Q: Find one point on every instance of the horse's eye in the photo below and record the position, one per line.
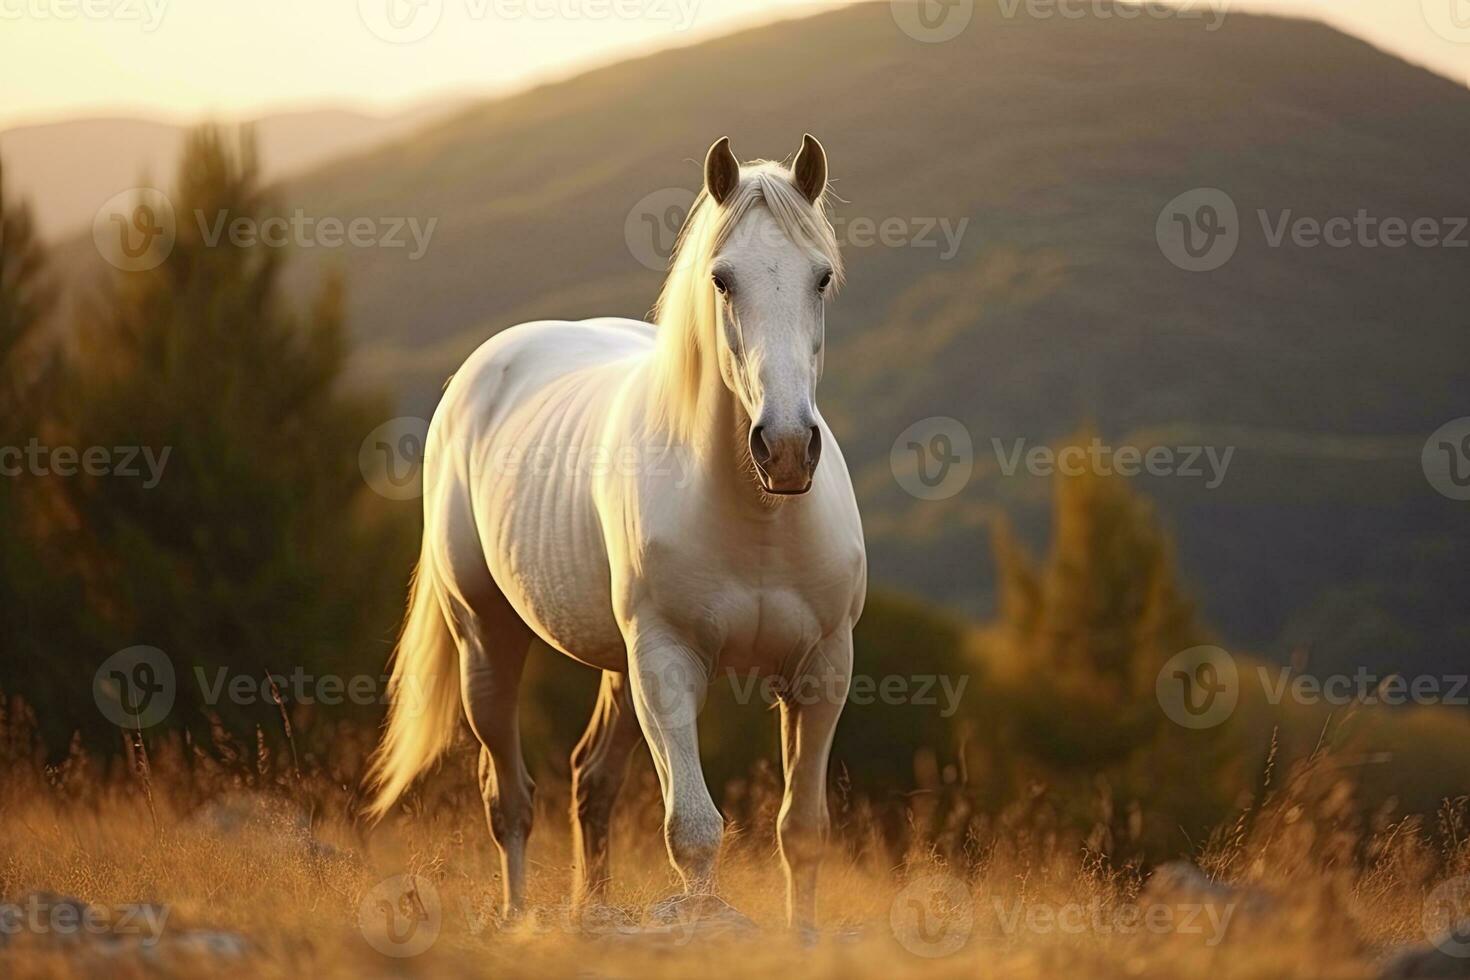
(720, 285)
(825, 281)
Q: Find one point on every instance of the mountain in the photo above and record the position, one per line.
(68, 169)
(1050, 148)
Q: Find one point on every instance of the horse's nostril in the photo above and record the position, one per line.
(759, 451)
(814, 448)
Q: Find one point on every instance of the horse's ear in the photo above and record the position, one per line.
(809, 172)
(721, 170)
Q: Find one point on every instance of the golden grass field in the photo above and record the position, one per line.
(263, 872)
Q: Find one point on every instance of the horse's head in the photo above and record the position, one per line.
(770, 275)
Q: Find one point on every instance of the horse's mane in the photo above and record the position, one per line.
(686, 306)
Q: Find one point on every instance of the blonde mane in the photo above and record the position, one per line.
(685, 311)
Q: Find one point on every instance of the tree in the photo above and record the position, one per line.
(1104, 611)
(1110, 608)
(26, 299)
(1089, 628)
(248, 542)
(35, 606)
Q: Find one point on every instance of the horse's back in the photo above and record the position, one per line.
(528, 355)
(516, 380)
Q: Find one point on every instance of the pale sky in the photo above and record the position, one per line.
(184, 60)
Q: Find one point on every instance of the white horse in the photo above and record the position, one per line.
(648, 501)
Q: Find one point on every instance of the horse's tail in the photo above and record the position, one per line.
(423, 714)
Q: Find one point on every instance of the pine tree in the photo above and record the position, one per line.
(26, 299)
(38, 606)
(29, 604)
(1111, 611)
(1019, 595)
(1091, 626)
(1105, 611)
(252, 552)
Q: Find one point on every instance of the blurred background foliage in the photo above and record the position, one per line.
(263, 550)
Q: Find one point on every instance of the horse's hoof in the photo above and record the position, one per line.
(704, 914)
(516, 921)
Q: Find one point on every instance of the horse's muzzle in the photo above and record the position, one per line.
(786, 458)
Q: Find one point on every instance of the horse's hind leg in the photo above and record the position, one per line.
(599, 765)
(493, 641)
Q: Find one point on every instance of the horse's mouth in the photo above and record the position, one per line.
(770, 487)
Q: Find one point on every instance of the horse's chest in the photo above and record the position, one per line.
(759, 612)
(765, 626)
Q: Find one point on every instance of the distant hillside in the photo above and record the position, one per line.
(68, 169)
(1059, 142)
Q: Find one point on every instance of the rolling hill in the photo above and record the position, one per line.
(68, 169)
(1050, 148)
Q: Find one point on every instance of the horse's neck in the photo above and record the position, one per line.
(720, 420)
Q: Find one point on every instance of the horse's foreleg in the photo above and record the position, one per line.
(808, 720)
(668, 682)
(599, 765)
(493, 642)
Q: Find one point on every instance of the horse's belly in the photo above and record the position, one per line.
(562, 594)
(545, 550)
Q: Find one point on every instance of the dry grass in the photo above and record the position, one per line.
(232, 838)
